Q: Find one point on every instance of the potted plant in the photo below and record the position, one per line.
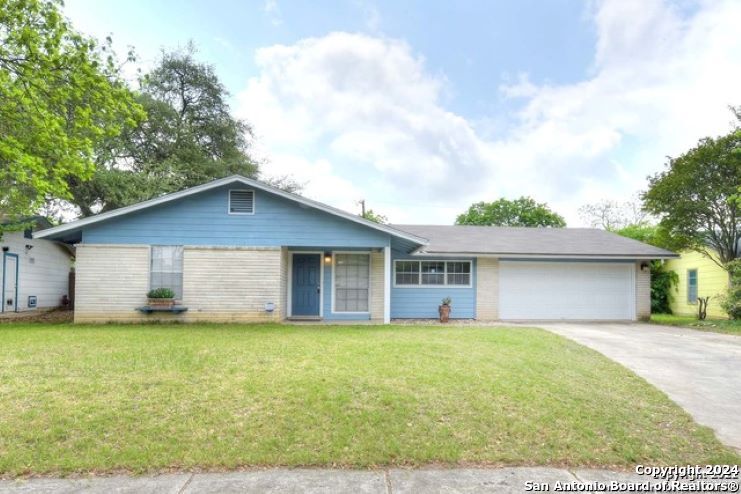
(161, 297)
(444, 310)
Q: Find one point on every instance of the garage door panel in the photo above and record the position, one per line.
(566, 290)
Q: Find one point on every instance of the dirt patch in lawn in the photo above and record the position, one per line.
(52, 316)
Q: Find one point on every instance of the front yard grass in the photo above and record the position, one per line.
(727, 326)
(152, 398)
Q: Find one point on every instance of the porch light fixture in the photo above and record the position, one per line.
(328, 257)
(644, 266)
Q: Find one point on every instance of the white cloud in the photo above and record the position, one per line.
(364, 117)
(367, 105)
(372, 15)
(319, 180)
(272, 10)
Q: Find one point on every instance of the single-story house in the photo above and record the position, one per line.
(236, 249)
(697, 276)
(35, 273)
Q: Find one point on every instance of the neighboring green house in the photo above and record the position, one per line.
(699, 276)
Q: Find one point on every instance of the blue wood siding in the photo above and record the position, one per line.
(422, 303)
(203, 219)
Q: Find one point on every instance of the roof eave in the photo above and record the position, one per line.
(546, 255)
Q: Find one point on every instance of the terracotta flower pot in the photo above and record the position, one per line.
(444, 311)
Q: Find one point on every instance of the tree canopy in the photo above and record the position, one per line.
(696, 197)
(60, 94)
(518, 212)
(189, 137)
(647, 233)
(662, 280)
(373, 216)
(614, 215)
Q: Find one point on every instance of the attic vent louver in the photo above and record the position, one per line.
(241, 202)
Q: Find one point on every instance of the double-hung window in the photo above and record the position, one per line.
(459, 273)
(432, 273)
(692, 286)
(407, 272)
(166, 268)
(351, 282)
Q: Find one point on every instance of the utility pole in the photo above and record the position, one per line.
(362, 207)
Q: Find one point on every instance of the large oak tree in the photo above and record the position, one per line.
(60, 94)
(189, 137)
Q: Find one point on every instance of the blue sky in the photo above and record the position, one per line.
(422, 108)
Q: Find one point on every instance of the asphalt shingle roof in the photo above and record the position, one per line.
(513, 241)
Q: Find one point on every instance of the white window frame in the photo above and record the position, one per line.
(697, 286)
(445, 285)
(182, 268)
(229, 202)
(470, 274)
(334, 280)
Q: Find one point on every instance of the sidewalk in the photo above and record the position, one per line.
(396, 481)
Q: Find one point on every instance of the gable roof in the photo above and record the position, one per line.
(75, 225)
(531, 242)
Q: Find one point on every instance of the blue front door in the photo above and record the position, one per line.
(305, 284)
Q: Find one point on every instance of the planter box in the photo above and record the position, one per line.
(161, 302)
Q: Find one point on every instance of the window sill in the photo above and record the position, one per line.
(148, 309)
(433, 286)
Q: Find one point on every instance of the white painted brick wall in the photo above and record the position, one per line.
(643, 292)
(487, 289)
(376, 286)
(111, 281)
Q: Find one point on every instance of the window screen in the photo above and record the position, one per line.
(459, 273)
(407, 272)
(433, 273)
(166, 270)
(692, 286)
(352, 282)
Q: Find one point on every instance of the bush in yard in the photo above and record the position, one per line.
(661, 284)
(661, 279)
(731, 301)
(161, 293)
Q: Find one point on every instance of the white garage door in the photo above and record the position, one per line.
(566, 290)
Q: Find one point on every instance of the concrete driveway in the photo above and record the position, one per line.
(700, 371)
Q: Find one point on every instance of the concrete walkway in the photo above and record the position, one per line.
(700, 371)
(397, 481)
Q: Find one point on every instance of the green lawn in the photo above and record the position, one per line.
(148, 398)
(715, 325)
